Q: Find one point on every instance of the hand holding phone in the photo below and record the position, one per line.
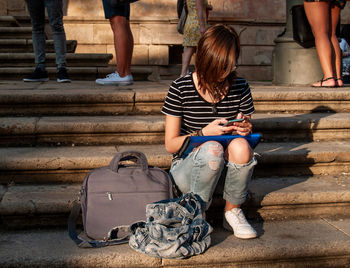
(232, 121)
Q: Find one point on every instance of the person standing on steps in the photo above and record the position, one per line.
(323, 16)
(118, 13)
(195, 26)
(199, 104)
(54, 9)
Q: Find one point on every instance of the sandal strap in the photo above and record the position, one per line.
(329, 78)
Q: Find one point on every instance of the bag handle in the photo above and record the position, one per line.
(128, 155)
(86, 243)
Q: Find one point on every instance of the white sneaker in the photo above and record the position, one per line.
(115, 79)
(235, 220)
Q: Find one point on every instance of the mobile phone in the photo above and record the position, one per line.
(232, 121)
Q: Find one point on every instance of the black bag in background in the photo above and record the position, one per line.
(182, 16)
(114, 197)
(302, 33)
(180, 5)
(182, 22)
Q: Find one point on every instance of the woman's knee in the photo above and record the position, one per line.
(239, 151)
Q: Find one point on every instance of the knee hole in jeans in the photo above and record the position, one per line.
(215, 152)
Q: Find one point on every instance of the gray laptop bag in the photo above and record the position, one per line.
(114, 197)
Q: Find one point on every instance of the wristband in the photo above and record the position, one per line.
(197, 133)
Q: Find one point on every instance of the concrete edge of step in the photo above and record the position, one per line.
(56, 199)
(263, 123)
(289, 243)
(88, 157)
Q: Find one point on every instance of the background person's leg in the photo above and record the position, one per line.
(186, 59)
(55, 14)
(36, 10)
(319, 16)
(335, 15)
(37, 14)
(123, 44)
(118, 15)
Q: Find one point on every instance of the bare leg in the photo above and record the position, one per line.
(335, 14)
(319, 16)
(239, 152)
(186, 58)
(123, 44)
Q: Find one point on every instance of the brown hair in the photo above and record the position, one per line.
(217, 54)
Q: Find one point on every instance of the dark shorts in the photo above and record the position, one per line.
(121, 9)
(338, 3)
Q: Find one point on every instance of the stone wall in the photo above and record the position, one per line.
(3, 7)
(154, 23)
(12, 7)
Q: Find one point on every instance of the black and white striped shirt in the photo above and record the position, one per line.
(183, 100)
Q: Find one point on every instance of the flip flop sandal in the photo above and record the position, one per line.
(324, 80)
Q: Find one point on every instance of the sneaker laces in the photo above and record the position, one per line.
(112, 75)
(240, 218)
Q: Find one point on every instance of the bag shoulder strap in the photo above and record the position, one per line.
(86, 243)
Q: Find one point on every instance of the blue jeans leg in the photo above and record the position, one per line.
(55, 14)
(200, 171)
(237, 181)
(36, 10)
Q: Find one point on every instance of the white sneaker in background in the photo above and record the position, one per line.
(235, 220)
(115, 79)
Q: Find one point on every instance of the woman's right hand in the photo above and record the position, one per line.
(216, 128)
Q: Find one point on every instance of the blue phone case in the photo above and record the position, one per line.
(253, 140)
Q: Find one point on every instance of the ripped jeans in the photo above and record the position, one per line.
(200, 171)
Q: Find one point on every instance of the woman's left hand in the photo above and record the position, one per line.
(245, 127)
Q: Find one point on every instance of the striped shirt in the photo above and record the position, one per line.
(183, 100)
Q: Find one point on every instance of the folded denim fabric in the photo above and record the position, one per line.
(174, 229)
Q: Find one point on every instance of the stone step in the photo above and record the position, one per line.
(81, 130)
(140, 73)
(271, 199)
(138, 129)
(73, 59)
(302, 127)
(321, 242)
(26, 46)
(15, 32)
(24, 20)
(71, 164)
(8, 21)
(87, 98)
(300, 197)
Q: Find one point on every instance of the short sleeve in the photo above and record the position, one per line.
(173, 102)
(246, 104)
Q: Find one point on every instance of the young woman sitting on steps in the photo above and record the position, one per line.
(200, 103)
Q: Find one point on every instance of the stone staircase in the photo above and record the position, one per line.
(17, 57)
(52, 135)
